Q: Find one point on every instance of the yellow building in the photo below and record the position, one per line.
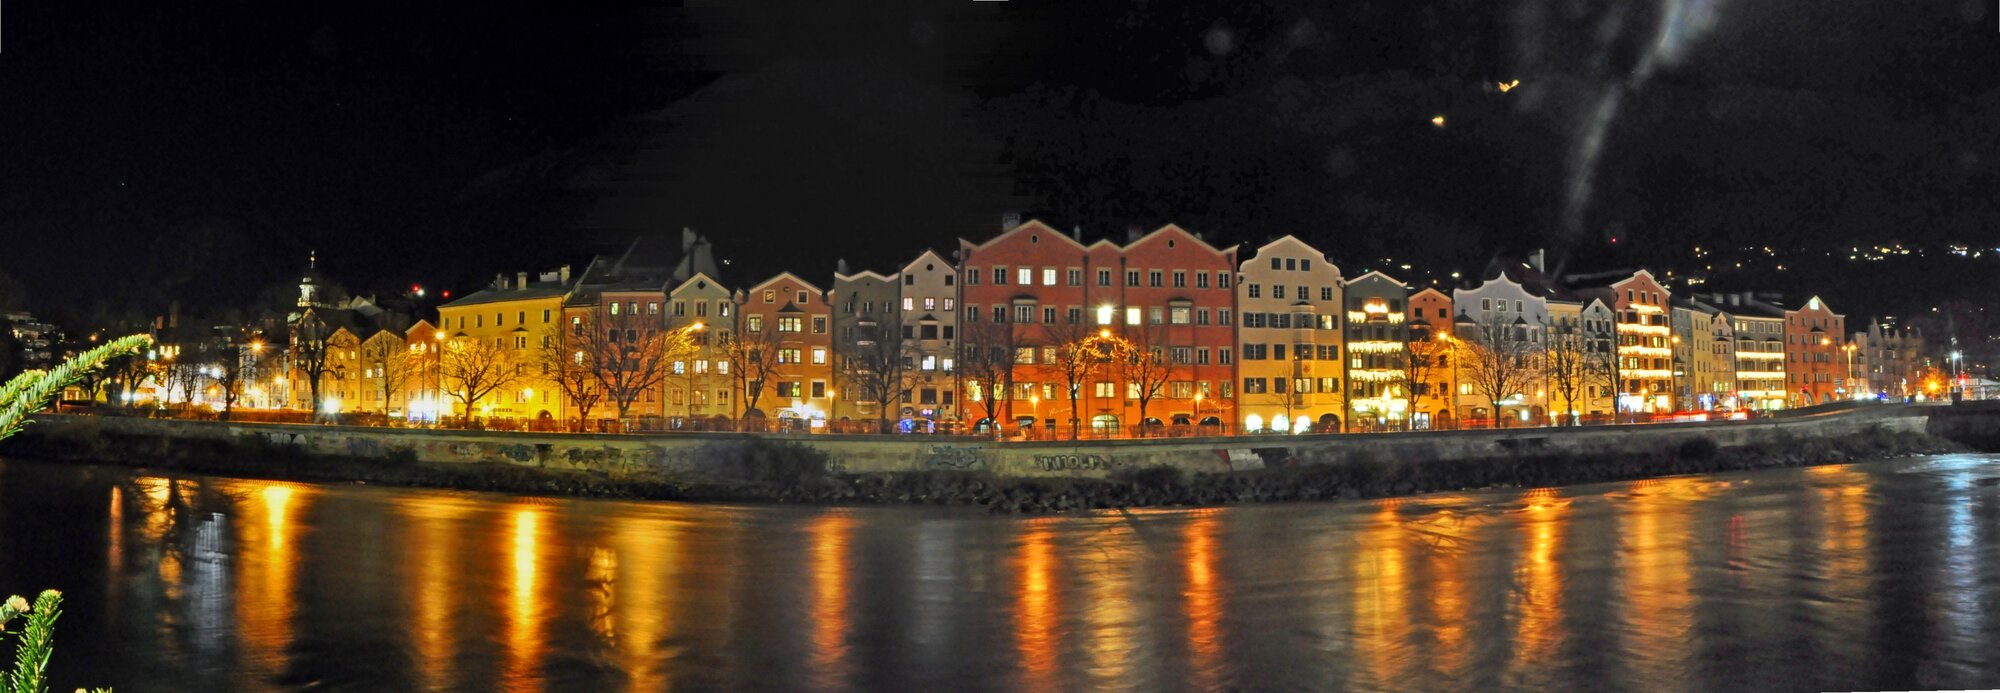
(507, 320)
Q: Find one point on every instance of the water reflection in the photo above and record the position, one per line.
(1204, 598)
(524, 612)
(1035, 604)
(1864, 576)
(830, 599)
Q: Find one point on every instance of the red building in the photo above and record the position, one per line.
(1164, 301)
(1645, 354)
(1817, 359)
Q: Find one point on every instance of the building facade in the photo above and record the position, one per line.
(1289, 343)
(1504, 326)
(790, 317)
(503, 323)
(868, 346)
(702, 387)
(1433, 359)
(930, 300)
(1377, 339)
(1645, 355)
(1818, 359)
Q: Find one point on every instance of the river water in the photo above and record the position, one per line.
(1870, 576)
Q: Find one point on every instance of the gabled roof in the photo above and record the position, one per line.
(1175, 228)
(935, 256)
(695, 280)
(1377, 273)
(535, 290)
(1029, 226)
(781, 276)
(1289, 239)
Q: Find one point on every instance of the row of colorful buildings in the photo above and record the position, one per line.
(1037, 328)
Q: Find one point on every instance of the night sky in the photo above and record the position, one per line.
(154, 152)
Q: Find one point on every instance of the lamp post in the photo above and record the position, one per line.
(1197, 410)
(1848, 382)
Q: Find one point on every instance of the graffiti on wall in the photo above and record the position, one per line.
(1074, 463)
(954, 457)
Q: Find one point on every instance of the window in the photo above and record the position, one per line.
(1253, 320)
(789, 324)
(1153, 279)
(930, 303)
(971, 275)
(1254, 352)
(1025, 276)
(754, 323)
(1254, 386)
(770, 296)
(819, 324)
(1131, 277)
(1024, 313)
(999, 314)
(1222, 356)
(1255, 290)
(545, 316)
(1305, 265)
(1278, 291)
(1048, 276)
(1180, 279)
(801, 297)
(909, 303)
(1076, 276)
(1276, 264)
(1181, 315)
(1104, 277)
(819, 356)
(999, 276)
(1222, 280)
(653, 308)
(1049, 316)
(1222, 316)
(1075, 315)
(1155, 315)
(1024, 355)
(1326, 294)
(1201, 356)
(788, 389)
(1201, 280)
(1201, 316)
(1132, 315)
(788, 355)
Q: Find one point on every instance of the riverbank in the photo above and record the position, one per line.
(771, 470)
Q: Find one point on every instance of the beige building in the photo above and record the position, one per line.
(1289, 339)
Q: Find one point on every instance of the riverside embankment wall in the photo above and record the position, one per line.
(699, 454)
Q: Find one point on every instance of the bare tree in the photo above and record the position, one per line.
(629, 353)
(752, 352)
(986, 359)
(875, 362)
(311, 345)
(1567, 363)
(392, 366)
(473, 368)
(1601, 368)
(1501, 361)
(1427, 355)
(569, 366)
(183, 375)
(1143, 360)
(1080, 354)
(235, 362)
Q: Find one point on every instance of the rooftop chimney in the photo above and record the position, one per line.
(1535, 259)
(1076, 233)
(563, 274)
(1009, 220)
(840, 266)
(522, 280)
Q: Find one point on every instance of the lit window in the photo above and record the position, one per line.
(1132, 315)
(1105, 314)
(819, 356)
(909, 303)
(1048, 276)
(930, 304)
(1025, 276)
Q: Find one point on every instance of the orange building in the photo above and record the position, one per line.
(1430, 323)
(1166, 295)
(1817, 356)
(791, 316)
(1645, 355)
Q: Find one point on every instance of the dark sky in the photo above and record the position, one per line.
(198, 150)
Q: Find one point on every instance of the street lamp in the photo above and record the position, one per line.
(1035, 401)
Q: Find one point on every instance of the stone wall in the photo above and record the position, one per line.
(697, 453)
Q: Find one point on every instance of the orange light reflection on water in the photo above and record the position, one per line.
(525, 640)
(1538, 602)
(829, 535)
(1381, 597)
(1204, 600)
(267, 600)
(1035, 605)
